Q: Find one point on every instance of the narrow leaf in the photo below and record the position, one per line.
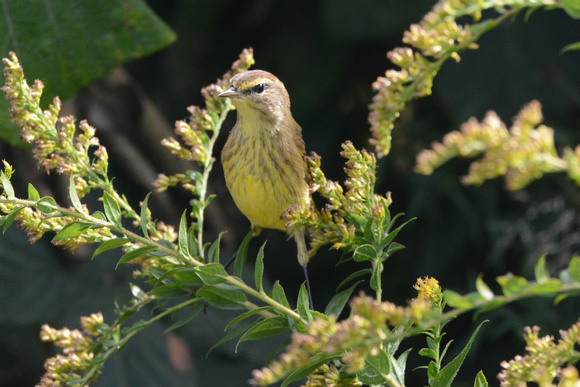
(265, 328)
(574, 268)
(74, 197)
(235, 332)
(353, 276)
(480, 380)
(212, 273)
(365, 253)
(7, 186)
(71, 230)
(242, 254)
(259, 270)
(109, 245)
(511, 284)
(540, 270)
(214, 250)
(244, 316)
(223, 298)
(9, 219)
(144, 218)
(337, 303)
(182, 239)
(483, 289)
(187, 317)
(112, 210)
(303, 304)
(447, 374)
(136, 254)
(33, 193)
(570, 47)
(46, 205)
(278, 294)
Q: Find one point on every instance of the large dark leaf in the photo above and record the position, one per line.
(69, 43)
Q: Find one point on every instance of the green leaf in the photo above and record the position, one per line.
(144, 218)
(112, 210)
(109, 245)
(303, 304)
(212, 273)
(428, 352)
(375, 370)
(265, 328)
(446, 375)
(223, 297)
(71, 230)
(246, 315)
(7, 186)
(549, 287)
(540, 270)
(136, 254)
(574, 268)
(570, 47)
(572, 8)
(9, 219)
(183, 238)
(259, 270)
(213, 255)
(242, 255)
(315, 362)
(190, 315)
(511, 284)
(278, 294)
(365, 253)
(33, 193)
(483, 289)
(70, 44)
(46, 205)
(458, 301)
(353, 276)
(237, 331)
(337, 303)
(480, 380)
(74, 197)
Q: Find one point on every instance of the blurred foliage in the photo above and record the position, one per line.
(328, 54)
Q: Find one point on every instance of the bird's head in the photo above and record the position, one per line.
(260, 95)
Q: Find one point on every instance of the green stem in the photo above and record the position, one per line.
(205, 177)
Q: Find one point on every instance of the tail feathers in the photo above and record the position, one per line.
(303, 255)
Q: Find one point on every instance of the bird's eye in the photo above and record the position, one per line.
(259, 88)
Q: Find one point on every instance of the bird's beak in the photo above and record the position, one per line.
(229, 93)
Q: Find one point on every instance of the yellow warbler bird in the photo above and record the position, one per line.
(263, 158)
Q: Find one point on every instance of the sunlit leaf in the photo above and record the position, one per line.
(212, 273)
(71, 230)
(259, 269)
(140, 252)
(112, 210)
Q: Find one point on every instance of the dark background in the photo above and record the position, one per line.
(327, 54)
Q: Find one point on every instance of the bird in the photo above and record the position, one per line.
(264, 157)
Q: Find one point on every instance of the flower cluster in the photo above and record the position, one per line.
(435, 39)
(76, 347)
(544, 360)
(523, 153)
(347, 212)
(194, 133)
(428, 288)
(55, 145)
(351, 341)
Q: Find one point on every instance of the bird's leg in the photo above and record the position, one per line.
(303, 258)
